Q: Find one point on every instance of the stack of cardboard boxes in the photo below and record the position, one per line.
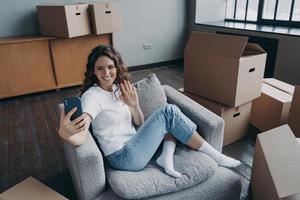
(224, 74)
(276, 164)
(75, 20)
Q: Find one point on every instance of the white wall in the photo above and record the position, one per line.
(208, 11)
(287, 64)
(162, 23)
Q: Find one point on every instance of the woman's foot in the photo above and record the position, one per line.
(226, 161)
(220, 158)
(165, 160)
(165, 163)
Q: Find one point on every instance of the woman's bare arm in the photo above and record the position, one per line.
(137, 115)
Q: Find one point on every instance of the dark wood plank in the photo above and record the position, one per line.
(244, 196)
(246, 146)
(252, 133)
(17, 138)
(245, 186)
(20, 121)
(4, 145)
(56, 98)
(170, 75)
(243, 169)
(239, 153)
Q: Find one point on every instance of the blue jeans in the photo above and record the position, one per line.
(138, 151)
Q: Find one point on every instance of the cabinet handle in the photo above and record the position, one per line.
(107, 12)
(78, 13)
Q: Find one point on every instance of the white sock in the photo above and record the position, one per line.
(165, 160)
(298, 139)
(220, 158)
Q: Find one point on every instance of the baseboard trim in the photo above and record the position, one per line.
(154, 65)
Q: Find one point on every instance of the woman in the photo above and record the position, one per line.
(111, 104)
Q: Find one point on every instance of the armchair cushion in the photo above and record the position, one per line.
(194, 166)
(151, 94)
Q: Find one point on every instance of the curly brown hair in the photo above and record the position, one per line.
(108, 51)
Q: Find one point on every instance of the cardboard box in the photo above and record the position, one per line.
(272, 108)
(106, 17)
(223, 68)
(287, 88)
(31, 189)
(295, 112)
(276, 165)
(236, 119)
(64, 20)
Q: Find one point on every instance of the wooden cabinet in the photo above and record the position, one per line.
(70, 57)
(35, 64)
(25, 66)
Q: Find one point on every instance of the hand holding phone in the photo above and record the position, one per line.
(70, 103)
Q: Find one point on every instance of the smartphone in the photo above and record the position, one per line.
(71, 102)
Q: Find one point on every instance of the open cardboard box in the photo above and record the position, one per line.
(236, 119)
(272, 108)
(294, 118)
(31, 189)
(224, 68)
(276, 165)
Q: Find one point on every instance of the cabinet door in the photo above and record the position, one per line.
(70, 57)
(25, 67)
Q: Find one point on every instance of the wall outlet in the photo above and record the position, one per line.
(147, 46)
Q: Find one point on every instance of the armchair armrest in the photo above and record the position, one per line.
(209, 125)
(87, 168)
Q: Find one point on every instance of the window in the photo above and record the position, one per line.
(264, 12)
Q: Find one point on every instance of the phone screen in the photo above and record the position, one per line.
(70, 103)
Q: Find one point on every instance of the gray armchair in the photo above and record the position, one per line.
(93, 179)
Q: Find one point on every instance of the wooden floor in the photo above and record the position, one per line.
(29, 144)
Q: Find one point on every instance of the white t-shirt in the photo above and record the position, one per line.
(111, 118)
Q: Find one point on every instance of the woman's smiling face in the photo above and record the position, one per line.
(106, 72)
